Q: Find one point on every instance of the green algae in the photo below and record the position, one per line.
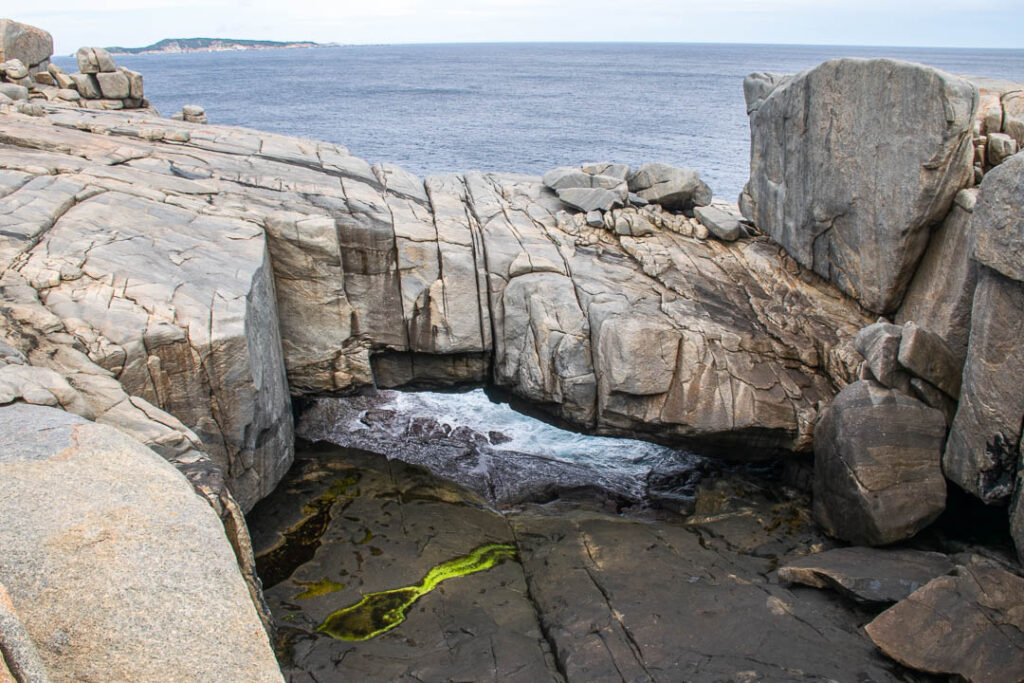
(380, 612)
(301, 541)
(315, 589)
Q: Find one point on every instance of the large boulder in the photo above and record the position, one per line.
(968, 625)
(983, 453)
(671, 187)
(852, 162)
(877, 472)
(594, 187)
(27, 43)
(117, 569)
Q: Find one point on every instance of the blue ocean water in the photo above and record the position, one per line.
(522, 108)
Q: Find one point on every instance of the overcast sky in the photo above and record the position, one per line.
(940, 23)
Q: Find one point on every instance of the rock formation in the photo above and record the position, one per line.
(849, 175)
(117, 570)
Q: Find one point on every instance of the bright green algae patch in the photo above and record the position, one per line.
(379, 612)
(314, 589)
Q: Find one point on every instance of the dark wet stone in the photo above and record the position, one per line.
(868, 575)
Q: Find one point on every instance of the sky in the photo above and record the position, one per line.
(918, 23)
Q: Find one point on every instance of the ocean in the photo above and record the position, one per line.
(523, 108)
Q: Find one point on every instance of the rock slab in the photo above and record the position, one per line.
(970, 624)
(868, 575)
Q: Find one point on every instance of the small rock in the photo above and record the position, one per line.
(636, 200)
(999, 148)
(970, 624)
(877, 472)
(105, 61)
(595, 219)
(68, 95)
(30, 109)
(64, 80)
(719, 223)
(924, 354)
(14, 69)
(590, 199)
(192, 113)
(868, 575)
(44, 78)
(673, 188)
(135, 90)
(879, 343)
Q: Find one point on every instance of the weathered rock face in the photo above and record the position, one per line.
(970, 624)
(26, 43)
(380, 275)
(983, 453)
(851, 164)
(877, 473)
(941, 293)
(115, 566)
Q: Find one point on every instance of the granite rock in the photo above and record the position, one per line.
(853, 161)
(969, 625)
(671, 187)
(877, 471)
(93, 514)
(26, 43)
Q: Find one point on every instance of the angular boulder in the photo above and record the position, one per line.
(853, 161)
(879, 343)
(871, 576)
(719, 222)
(925, 355)
(20, 41)
(941, 294)
(115, 566)
(593, 187)
(674, 188)
(113, 85)
(877, 472)
(968, 625)
(983, 453)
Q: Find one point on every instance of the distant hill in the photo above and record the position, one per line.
(172, 45)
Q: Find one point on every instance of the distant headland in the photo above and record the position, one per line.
(175, 45)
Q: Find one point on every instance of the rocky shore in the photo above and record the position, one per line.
(169, 287)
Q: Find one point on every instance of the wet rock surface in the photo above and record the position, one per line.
(592, 595)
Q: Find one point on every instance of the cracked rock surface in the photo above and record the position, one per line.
(593, 596)
(213, 271)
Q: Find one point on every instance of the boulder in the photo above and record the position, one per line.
(853, 161)
(968, 625)
(941, 293)
(114, 85)
(587, 188)
(88, 63)
(877, 472)
(719, 222)
(924, 354)
(135, 89)
(879, 344)
(14, 91)
(87, 85)
(44, 78)
(68, 95)
(117, 569)
(868, 575)
(998, 222)
(14, 69)
(999, 148)
(673, 188)
(982, 453)
(27, 43)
